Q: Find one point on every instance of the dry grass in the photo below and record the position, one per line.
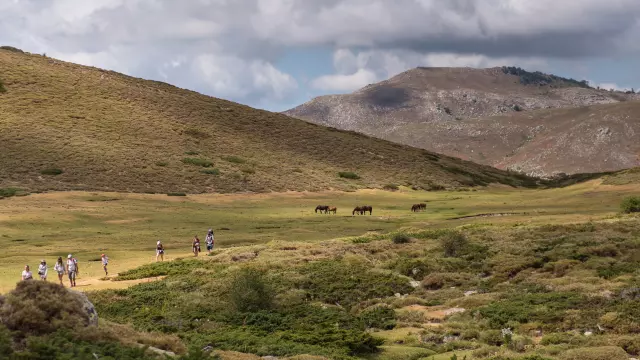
(107, 131)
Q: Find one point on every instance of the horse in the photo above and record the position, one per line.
(358, 209)
(322, 208)
(366, 208)
(423, 206)
(332, 209)
(415, 207)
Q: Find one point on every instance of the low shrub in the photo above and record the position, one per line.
(198, 162)
(2, 88)
(250, 291)
(8, 192)
(379, 317)
(191, 153)
(596, 353)
(630, 205)
(211, 171)
(176, 194)
(453, 244)
(401, 239)
(391, 187)
(51, 171)
(348, 175)
(234, 159)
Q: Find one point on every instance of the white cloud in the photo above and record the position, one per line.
(345, 83)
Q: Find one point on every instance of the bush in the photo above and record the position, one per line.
(380, 317)
(454, 244)
(391, 187)
(234, 159)
(348, 175)
(8, 192)
(198, 162)
(176, 194)
(401, 239)
(2, 88)
(250, 291)
(630, 205)
(596, 353)
(39, 307)
(211, 171)
(492, 337)
(191, 153)
(51, 171)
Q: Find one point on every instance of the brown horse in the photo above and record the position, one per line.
(322, 208)
(423, 206)
(332, 209)
(415, 207)
(366, 208)
(358, 210)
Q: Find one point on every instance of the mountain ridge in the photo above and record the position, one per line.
(420, 106)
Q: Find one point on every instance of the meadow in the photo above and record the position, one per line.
(556, 267)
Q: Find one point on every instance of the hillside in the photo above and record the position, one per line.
(504, 117)
(64, 126)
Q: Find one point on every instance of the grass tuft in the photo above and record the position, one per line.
(51, 171)
(234, 159)
(348, 175)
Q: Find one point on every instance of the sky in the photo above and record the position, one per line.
(277, 54)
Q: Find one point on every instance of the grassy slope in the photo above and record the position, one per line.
(107, 131)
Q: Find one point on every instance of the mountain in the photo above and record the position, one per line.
(505, 117)
(69, 127)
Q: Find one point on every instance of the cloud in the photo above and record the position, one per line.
(378, 38)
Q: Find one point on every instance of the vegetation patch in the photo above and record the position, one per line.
(2, 88)
(176, 194)
(51, 171)
(542, 79)
(348, 175)
(211, 171)
(198, 162)
(391, 187)
(9, 192)
(234, 159)
(161, 163)
(631, 204)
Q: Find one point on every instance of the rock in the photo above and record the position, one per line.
(414, 283)
(470, 292)
(454, 311)
(87, 306)
(588, 333)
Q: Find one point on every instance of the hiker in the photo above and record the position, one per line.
(105, 262)
(59, 268)
(196, 245)
(209, 241)
(26, 273)
(159, 251)
(43, 270)
(72, 269)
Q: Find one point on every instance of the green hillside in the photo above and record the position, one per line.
(69, 127)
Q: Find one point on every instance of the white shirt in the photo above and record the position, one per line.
(27, 275)
(71, 264)
(59, 268)
(43, 269)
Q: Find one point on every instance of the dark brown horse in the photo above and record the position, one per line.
(332, 209)
(366, 208)
(358, 210)
(415, 207)
(322, 208)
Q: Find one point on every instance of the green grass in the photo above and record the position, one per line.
(158, 123)
(51, 171)
(210, 171)
(348, 175)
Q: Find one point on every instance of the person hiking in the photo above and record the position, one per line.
(196, 245)
(105, 262)
(72, 269)
(59, 268)
(209, 241)
(26, 273)
(159, 251)
(43, 270)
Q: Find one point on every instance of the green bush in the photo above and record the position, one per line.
(234, 159)
(8, 192)
(492, 337)
(51, 171)
(198, 162)
(630, 205)
(176, 194)
(2, 88)
(348, 175)
(401, 239)
(380, 317)
(596, 353)
(454, 244)
(250, 291)
(211, 171)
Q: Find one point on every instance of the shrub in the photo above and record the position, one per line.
(234, 159)
(250, 292)
(191, 153)
(391, 187)
(630, 205)
(8, 192)
(211, 171)
(51, 171)
(2, 88)
(348, 175)
(198, 162)
(596, 353)
(176, 194)
(453, 244)
(492, 337)
(401, 239)
(379, 317)
(39, 307)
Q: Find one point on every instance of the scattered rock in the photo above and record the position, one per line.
(414, 283)
(454, 311)
(470, 292)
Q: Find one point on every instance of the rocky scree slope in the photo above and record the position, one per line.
(504, 117)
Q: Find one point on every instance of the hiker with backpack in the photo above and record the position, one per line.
(43, 270)
(159, 251)
(209, 241)
(105, 262)
(72, 269)
(195, 246)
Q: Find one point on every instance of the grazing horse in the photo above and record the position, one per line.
(366, 208)
(358, 210)
(415, 207)
(332, 209)
(322, 208)
(423, 206)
